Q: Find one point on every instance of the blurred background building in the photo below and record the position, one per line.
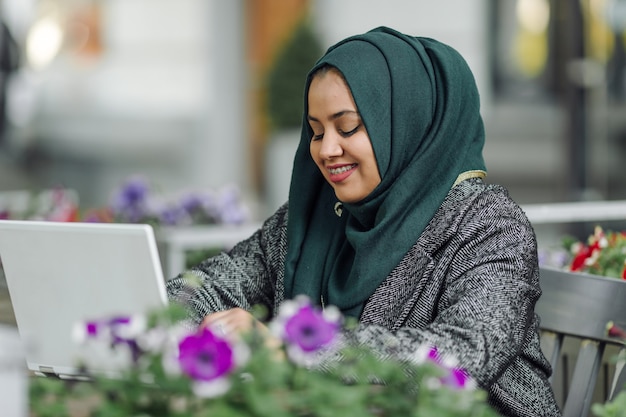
(179, 90)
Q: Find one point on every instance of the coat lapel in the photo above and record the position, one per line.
(394, 299)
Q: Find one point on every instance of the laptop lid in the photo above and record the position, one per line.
(59, 274)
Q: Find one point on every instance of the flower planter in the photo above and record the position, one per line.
(579, 306)
(203, 372)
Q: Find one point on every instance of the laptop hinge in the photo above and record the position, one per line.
(47, 371)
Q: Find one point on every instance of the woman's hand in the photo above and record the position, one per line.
(235, 322)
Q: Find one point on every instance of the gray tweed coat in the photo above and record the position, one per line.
(468, 286)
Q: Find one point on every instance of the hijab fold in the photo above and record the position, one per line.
(420, 106)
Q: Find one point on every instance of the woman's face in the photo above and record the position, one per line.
(340, 145)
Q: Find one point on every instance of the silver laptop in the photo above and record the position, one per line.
(61, 273)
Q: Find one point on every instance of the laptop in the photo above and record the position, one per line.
(59, 274)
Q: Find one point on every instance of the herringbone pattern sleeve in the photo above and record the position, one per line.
(249, 274)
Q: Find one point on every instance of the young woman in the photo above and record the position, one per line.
(389, 219)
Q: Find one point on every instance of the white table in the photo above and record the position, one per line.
(174, 242)
(580, 211)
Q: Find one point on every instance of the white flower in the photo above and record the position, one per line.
(211, 389)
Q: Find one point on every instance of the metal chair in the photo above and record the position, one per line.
(577, 306)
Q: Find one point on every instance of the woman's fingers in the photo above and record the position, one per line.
(235, 321)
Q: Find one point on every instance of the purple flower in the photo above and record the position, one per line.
(234, 215)
(204, 356)
(306, 329)
(433, 355)
(452, 375)
(231, 209)
(173, 215)
(200, 208)
(134, 192)
(309, 330)
(192, 202)
(113, 330)
(131, 200)
(211, 206)
(230, 196)
(119, 331)
(456, 378)
(92, 329)
(4, 214)
(122, 333)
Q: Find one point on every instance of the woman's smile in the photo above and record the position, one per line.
(338, 173)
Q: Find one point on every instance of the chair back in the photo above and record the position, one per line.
(576, 306)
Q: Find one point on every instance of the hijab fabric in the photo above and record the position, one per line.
(420, 106)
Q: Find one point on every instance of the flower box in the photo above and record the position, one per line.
(175, 371)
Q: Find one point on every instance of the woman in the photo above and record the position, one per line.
(389, 219)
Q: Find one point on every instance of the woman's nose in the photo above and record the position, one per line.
(331, 146)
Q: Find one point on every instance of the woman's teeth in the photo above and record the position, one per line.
(335, 171)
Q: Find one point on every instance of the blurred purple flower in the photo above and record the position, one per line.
(125, 330)
(211, 206)
(234, 215)
(133, 192)
(309, 330)
(115, 331)
(204, 356)
(173, 215)
(433, 355)
(231, 209)
(200, 207)
(133, 203)
(192, 202)
(453, 376)
(4, 214)
(92, 329)
(130, 201)
(230, 195)
(456, 378)
(306, 329)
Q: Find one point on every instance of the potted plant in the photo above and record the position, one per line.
(285, 104)
(604, 253)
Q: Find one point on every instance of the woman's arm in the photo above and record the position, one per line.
(243, 277)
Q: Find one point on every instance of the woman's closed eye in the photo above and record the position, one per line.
(350, 132)
(342, 133)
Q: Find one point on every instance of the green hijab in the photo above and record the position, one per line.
(420, 106)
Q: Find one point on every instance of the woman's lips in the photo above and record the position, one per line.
(338, 173)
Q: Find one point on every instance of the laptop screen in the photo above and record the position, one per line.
(61, 273)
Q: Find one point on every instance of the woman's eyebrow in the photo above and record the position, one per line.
(334, 116)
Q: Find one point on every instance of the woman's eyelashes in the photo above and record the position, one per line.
(350, 132)
(342, 133)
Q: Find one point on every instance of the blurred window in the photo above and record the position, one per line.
(529, 41)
